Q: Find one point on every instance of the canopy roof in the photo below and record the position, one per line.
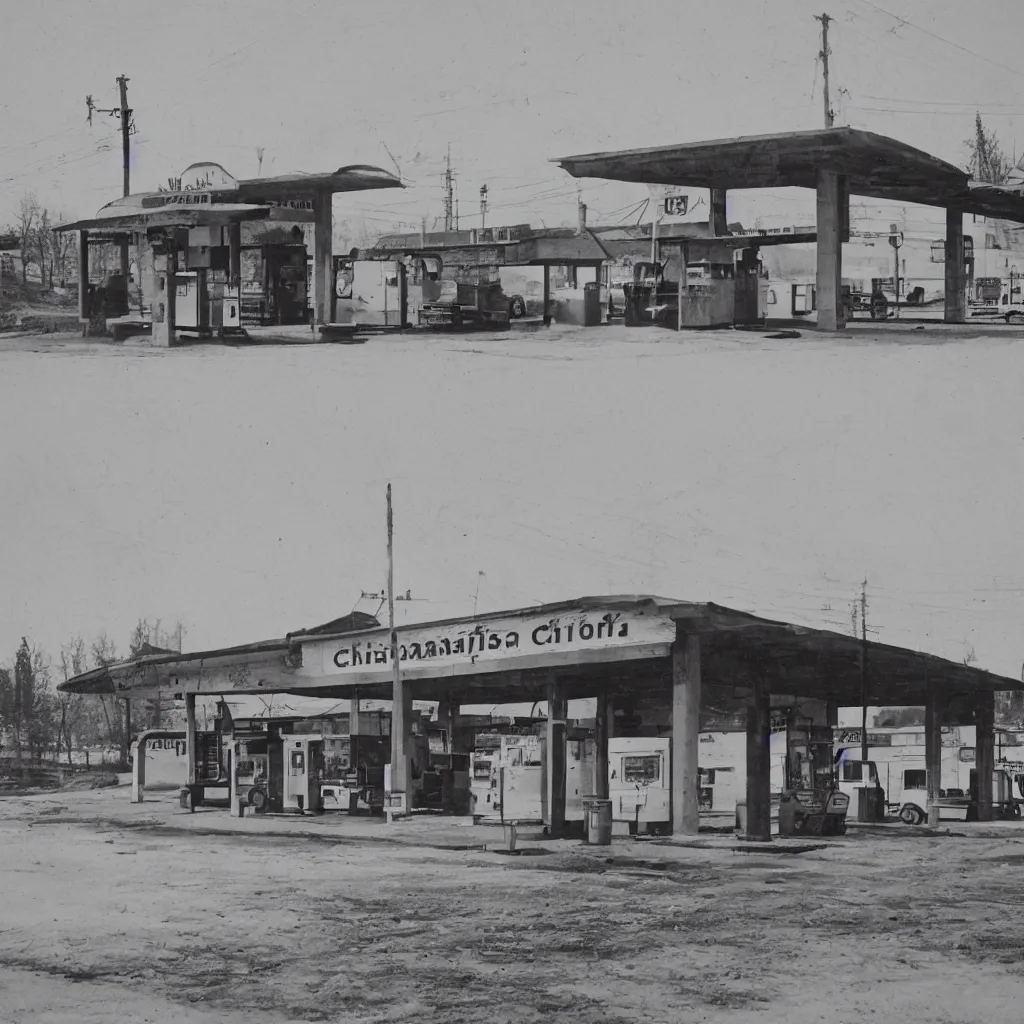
(136, 218)
(523, 248)
(736, 649)
(353, 178)
(875, 166)
(226, 200)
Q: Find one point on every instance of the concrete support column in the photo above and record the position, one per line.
(401, 712)
(166, 296)
(685, 733)
(759, 797)
(985, 754)
(556, 764)
(235, 810)
(547, 294)
(84, 311)
(831, 217)
(323, 226)
(956, 273)
(601, 723)
(933, 709)
(190, 736)
(403, 293)
(408, 745)
(446, 713)
(125, 262)
(719, 221)
(235, 255)
(139, 770)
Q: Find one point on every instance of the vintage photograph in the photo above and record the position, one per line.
(509, 512)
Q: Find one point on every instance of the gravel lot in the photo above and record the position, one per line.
(147, 913)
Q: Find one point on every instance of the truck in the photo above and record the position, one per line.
(902, 783)
(473, 305)
(649, 298)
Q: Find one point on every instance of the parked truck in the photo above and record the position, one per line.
(472, 305)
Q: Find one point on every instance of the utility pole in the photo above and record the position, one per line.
(824, 55)
(126, 121)
(449, 206)
(483, 207)
(398, 723)
(124, 112)
(864, 670)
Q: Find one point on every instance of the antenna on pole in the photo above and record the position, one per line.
(830, 115)
(449, 205)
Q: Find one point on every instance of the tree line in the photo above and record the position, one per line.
(55, 255)
(37, 722)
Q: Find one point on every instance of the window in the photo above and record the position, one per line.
(771, 297)
(641, 769)
(705, 776)
(915, 778)
(853, 771)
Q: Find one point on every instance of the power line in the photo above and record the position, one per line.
(938, 113)
(963, 49)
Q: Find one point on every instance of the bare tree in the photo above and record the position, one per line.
(104, 654)
(148, 638)
(42, 719)
(28, 211)
(72, 663)
(42, 236)
(65, 257)
(6, 704)
(988, 162)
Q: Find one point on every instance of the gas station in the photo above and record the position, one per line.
(836, 163)
(199, 219)
(653, 666)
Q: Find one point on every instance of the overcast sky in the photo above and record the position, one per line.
(320, 84)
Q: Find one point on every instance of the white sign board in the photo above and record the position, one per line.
(476, 645)
(678, 204)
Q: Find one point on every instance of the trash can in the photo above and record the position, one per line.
(741, 817)
(511, 830)
(599, 822)
(867, 804)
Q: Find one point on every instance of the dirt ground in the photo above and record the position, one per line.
(148, 913)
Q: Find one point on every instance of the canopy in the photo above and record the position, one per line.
(128, 218)
(874, 165)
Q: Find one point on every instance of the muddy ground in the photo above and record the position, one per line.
(148, 914)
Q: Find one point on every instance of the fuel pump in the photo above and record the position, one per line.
(250, 775)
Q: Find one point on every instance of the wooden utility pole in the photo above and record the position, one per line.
(126, 120)
(864, 670)
(824, 55)
(399, 725)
